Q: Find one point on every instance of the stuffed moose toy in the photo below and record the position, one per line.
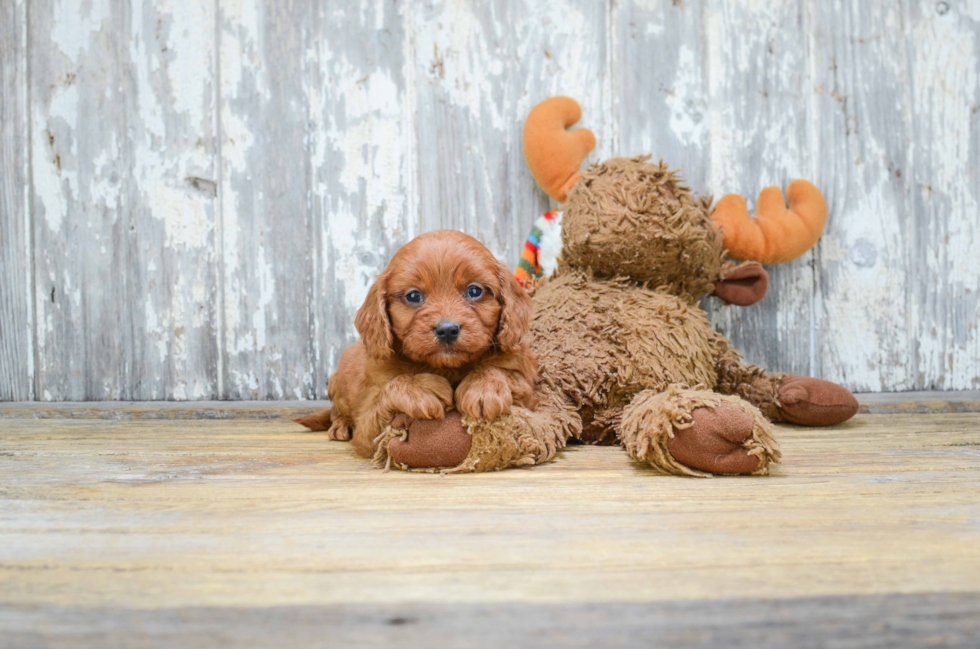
(625, 355)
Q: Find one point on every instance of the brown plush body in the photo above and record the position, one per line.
(602, 342)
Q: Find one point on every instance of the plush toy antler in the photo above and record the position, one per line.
(777, 233)
(553, 153)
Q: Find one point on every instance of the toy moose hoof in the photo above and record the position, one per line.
(815, 402)
(430, 443)
(714, 442)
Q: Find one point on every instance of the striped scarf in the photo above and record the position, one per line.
(540, 254)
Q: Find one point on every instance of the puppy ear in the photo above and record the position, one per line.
(372, 321)
(515, 312)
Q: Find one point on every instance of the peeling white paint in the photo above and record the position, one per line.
(186, 221)
(193, 50)
(53, 177)
(655, 29)
(686, 115)
(462, 52)
(123, 151)
(266, 288)
(241, 46)
(76, 23)
(371, 170)
(945, 75)
(373, 126)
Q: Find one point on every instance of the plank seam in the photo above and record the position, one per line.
(894, 403)
(817, 255)
(611, 100)
(313, 226)
(411, 101)
(917, 384)
(33, 359)
(314, 292)
(706, 98)
(219, 220)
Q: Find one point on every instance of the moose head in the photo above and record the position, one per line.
(627, 217)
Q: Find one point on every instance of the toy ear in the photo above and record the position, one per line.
(743, 285)
(372, 321)
(553, 153)
(516, 310)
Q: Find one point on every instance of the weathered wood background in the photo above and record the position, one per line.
(196, 195)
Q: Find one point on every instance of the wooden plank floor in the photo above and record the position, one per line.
(152, 532)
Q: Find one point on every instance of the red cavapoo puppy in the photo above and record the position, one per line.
(442, 327)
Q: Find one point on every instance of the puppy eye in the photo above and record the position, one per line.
(474, 292)
(414, 297)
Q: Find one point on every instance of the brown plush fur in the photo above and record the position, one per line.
(628, 218)
(400, 366)
(601, 341)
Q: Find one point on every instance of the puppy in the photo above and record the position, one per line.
(442, 327)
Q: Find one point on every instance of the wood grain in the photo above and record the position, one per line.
(758, 123)
(946, 620)
(661, 86)
(944, 55)
(124, 169)
(196, 196)
(16, 268)
(862, 153)
(479, 69)
(873, 403)
(268, 247)
(127, 520)
(117, 410)
(150, 514)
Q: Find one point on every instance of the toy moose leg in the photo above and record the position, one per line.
(697, 433)
(785, 397)
(460, 444)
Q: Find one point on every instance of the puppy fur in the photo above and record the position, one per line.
(400, 365)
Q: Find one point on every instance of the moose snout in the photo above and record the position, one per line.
(447, 331)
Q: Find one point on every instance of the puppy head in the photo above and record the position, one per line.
(444, 301)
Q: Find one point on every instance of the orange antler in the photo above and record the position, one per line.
(553, 153)
(776, 234)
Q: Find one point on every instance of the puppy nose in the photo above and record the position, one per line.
(447, 331)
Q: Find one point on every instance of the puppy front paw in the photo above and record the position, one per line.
(485, 395)
(420, 396)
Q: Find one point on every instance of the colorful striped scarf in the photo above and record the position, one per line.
(540, 254)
